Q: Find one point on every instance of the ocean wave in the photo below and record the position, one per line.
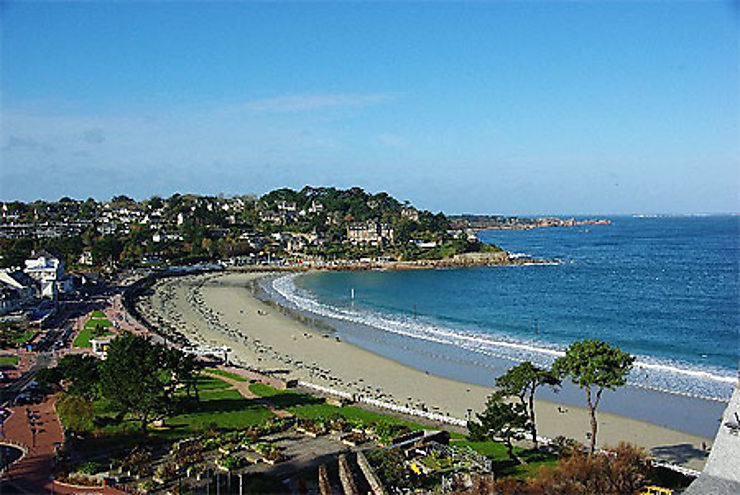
(648, 372)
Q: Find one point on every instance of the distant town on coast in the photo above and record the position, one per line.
(314, 226)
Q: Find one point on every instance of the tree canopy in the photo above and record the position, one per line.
(500, 419)
(139, 378)
(522, 382)
(594, 365)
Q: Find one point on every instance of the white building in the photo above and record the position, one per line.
(48, 270)
(100, 346)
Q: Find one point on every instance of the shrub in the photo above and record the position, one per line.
(147, 486)
(90, 467)
(386, 431)
(566, 447)
(138, 461)
(76, 413)
(268, 451)
(622, 470)
(390, 466)
(189, 452)
(166, 471)
(231, 462)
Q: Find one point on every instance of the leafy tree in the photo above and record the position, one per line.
(16, 253)
(522, 381)
(69, 247)
(122, 200)
(88, 209)
(107, 249)
(137, 378)
(501, 419)
(77, 412)
(594, 365)
(80, 373)
(84, 373)
(184, 370)
(155, 202)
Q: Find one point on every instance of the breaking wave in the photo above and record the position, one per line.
(681, 378)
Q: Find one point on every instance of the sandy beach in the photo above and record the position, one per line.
(219, 310)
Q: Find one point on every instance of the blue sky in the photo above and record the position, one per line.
(515, 108)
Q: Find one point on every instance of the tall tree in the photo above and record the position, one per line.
(522, 381)
(500, 419)
(82, 373)
(136, 378)
(594, 366)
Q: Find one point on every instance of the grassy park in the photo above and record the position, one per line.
(226, 374)
(220, 407)
(96, 326)
(8, 360)
(83, 337)
(144, 394)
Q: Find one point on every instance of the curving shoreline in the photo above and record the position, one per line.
(220, 310)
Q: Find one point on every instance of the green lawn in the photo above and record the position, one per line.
(267, 391)
(226, 374)
(223, 409)
(309, 407)
(218, 407)
(210, 383)
(98, 314)
(83, 338)
(8, 360)
(94, 323)
(503, 466)
(23, 337)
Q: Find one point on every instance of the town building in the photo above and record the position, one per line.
(369, 234)
(48, 270)
(410, 213)
(100, 346)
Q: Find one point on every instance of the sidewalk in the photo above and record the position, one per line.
(32, 474)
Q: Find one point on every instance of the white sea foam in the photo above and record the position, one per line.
(649, 372)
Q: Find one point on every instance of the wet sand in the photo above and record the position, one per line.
(219, 310)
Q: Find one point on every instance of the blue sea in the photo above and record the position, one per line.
(662, 288)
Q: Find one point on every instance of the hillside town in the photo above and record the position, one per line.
(283, 226)
(52, 250)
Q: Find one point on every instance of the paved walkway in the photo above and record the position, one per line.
(32, 473)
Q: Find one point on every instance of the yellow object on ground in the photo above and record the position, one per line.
(655, 490)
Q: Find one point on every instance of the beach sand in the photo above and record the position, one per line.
(219, 310)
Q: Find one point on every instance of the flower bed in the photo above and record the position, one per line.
(354, 439)
(269, 452)
(231, 462)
